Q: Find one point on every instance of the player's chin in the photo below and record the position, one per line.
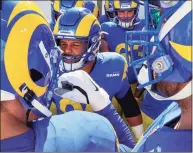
(164, 88)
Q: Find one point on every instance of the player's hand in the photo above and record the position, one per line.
(78, 86)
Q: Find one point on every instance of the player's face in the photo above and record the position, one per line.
(168, 89)
(111, 14)
(125, 14)
(73, 47)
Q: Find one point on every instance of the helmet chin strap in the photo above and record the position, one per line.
(184, 93)
(30, 99)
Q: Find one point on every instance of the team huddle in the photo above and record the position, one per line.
(87, 82)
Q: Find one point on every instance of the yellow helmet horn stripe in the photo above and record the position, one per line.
(17, 53)
(117, 4)
(133, 4)
(24, 6)
(56, 27)
(79, 3)
(107, 4)
(96, 11)
(57, 5)
(182, 50)
(85, 24)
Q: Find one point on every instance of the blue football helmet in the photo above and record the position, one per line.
(27, 56)
(167, 56)
(126, 5)
(93, 8)
(78, 24)
(61, 6)
(109, 10)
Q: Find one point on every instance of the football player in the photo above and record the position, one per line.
(114, 37)
(79, 40)
(166, 74)
(109, 12)
(61, 5)
(29, 62)
(93, 8)
(150, 107)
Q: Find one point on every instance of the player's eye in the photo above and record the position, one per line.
(76, 44)
(63, 44)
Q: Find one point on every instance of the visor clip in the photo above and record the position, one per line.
(29, 95)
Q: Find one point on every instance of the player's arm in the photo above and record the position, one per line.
(104, 45)
(129, 105)
(132, 113)
(78, 86)
(138, 93)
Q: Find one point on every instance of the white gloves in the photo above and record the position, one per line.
(78, 86)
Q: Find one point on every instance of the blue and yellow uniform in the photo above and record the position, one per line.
(161, 135)
(115, 38)
(109, 72)
(107, 69)
(115, 32)
(75, 131)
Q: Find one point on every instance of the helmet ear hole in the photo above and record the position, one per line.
(35, 75)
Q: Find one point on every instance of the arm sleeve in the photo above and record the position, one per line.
(125, 96)
(123, 133)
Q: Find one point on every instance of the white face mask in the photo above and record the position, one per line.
(126, 24)
(73, 66)
(70, 66)
(81, 62)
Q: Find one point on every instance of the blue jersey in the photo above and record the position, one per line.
(75, 131)
(161, 138)
(116, 42)
(103, 19)
(152, 107)
(26, 143)
(109, 72)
